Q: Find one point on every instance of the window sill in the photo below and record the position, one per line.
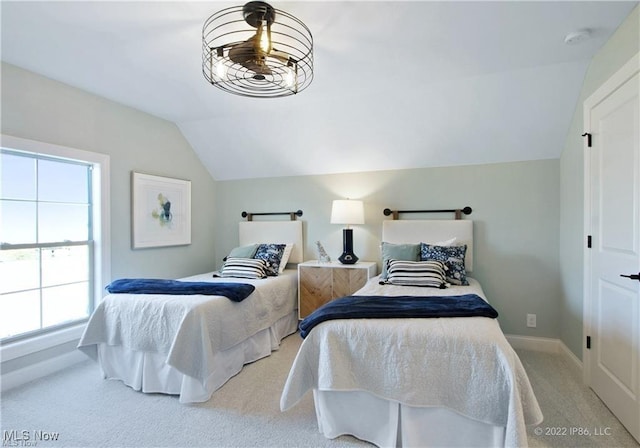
(17, 349)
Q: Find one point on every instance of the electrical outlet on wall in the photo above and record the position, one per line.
(531, 320)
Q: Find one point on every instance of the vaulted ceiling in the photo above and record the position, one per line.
(396, 84)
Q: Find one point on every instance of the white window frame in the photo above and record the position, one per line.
(101, 236)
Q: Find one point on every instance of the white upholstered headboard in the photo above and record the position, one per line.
(279, 232)
(431, 231)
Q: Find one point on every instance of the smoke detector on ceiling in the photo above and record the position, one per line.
(576, 37)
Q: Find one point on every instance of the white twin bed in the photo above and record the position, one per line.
(190, 345)
(449, 381)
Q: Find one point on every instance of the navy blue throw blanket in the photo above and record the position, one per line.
(233, 291)
(385, 307)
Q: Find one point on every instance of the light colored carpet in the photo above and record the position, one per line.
(574, 416)
(87, 411)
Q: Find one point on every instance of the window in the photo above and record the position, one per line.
(53, 232)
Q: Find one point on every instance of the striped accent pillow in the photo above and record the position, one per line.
(417, 273)
(244, 268)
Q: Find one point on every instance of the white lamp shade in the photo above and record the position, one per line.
(346, 211)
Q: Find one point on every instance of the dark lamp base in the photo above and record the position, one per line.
(347, 257)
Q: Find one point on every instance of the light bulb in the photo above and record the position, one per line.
(265, 38)
(221, 69)
(289, 77)
(218, 67)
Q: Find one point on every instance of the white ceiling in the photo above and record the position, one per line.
(396, 84)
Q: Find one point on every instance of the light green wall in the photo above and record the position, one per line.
(38, 108)
(623, 45)
(515, 214)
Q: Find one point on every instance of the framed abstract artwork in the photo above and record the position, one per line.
(161, 209)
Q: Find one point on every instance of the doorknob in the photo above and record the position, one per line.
(632, 276)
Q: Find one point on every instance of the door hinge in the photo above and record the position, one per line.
(589, 241)
(589, 342)
(588, 139)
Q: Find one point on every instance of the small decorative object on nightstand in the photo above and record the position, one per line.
(347, 212)
(319, 283)
(323, 257)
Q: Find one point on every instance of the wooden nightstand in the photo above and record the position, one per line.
(319, 283)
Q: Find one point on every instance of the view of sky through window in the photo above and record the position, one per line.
(45, 231)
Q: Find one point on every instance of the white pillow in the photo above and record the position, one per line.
(446, 243)
(285, 257)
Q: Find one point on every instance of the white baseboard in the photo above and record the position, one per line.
(571, 356)
(534, 343)
(39, 370)
(548, 345)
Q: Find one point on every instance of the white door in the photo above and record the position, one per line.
(612, 305)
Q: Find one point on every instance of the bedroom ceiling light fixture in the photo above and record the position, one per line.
(346, 211)
(257, 51)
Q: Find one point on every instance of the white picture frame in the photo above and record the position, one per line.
(161, 211)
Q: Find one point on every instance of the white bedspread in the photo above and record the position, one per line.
(189, 329)
(464, 364)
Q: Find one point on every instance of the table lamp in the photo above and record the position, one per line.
(346, 211)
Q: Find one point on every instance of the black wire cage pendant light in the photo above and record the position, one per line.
(257, 51)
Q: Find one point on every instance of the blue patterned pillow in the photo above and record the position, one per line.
(272, 255)
(451, 256)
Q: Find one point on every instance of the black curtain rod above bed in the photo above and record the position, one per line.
(292, 215)
(458, 212)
